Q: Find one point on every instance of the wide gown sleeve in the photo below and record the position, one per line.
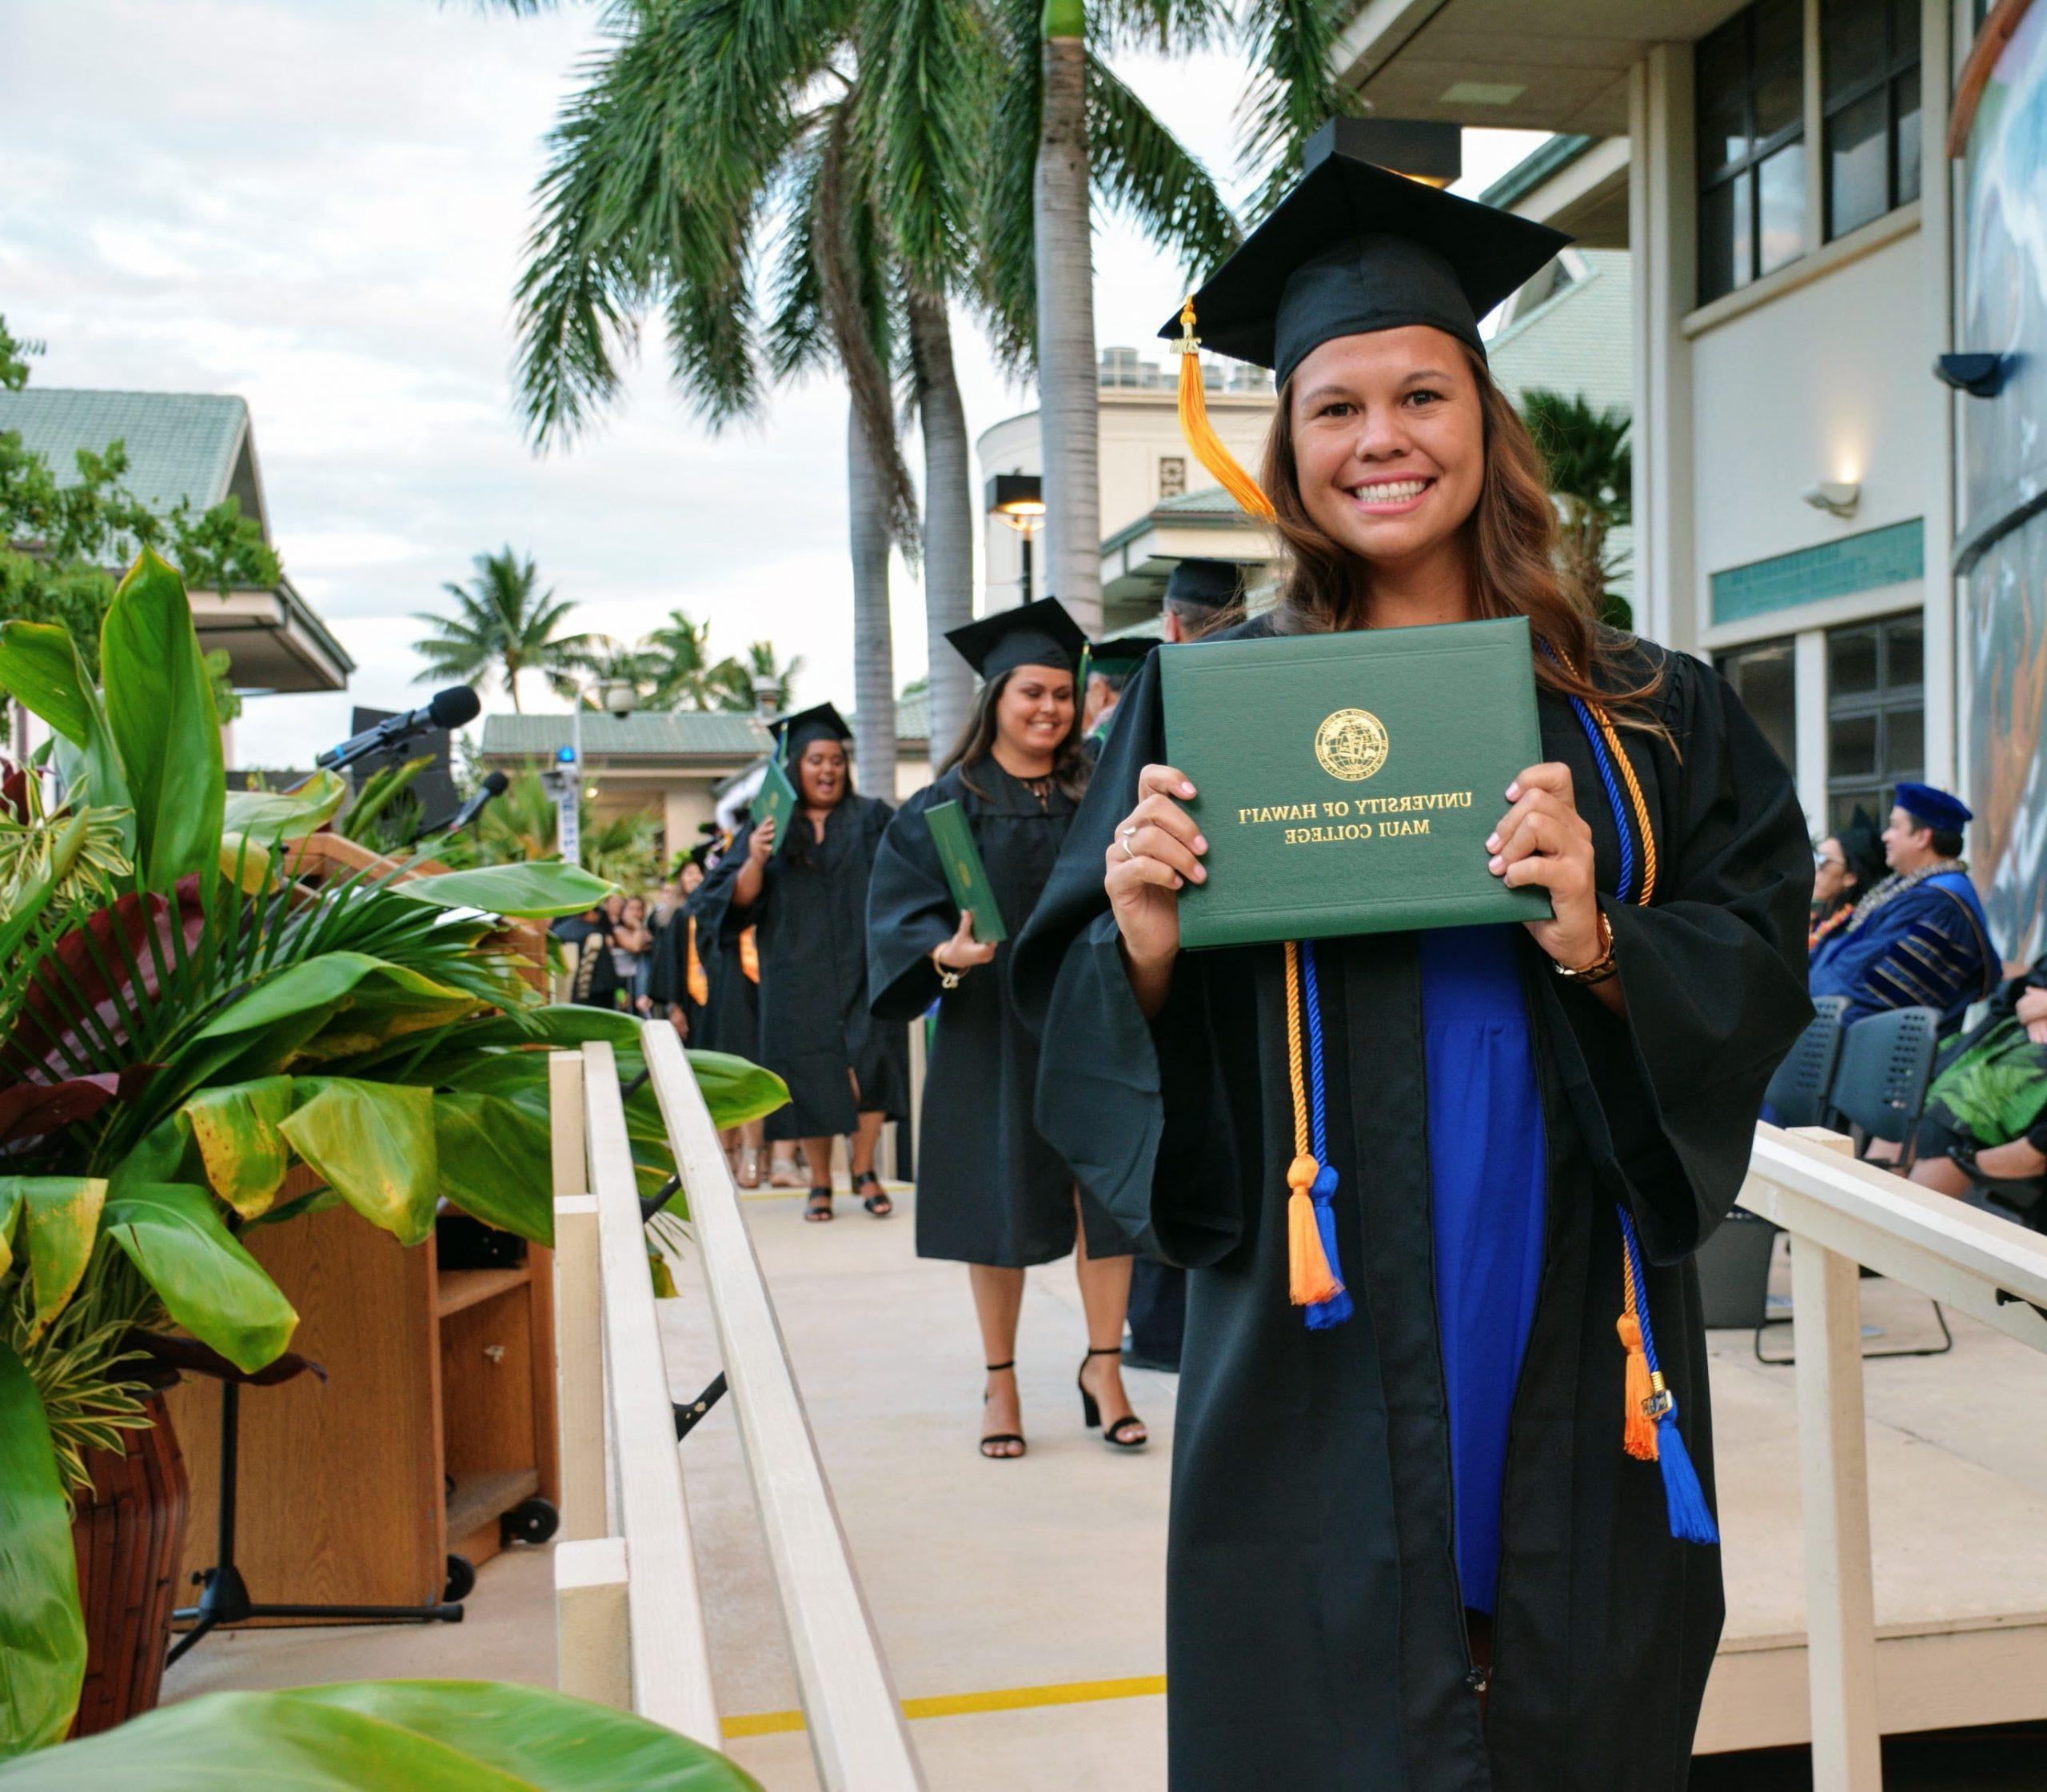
(1137, 1109)
(719, 916)
(1714, 972)
(909, 912)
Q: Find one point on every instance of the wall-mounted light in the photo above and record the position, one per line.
(1979, 376)
(1837, 497)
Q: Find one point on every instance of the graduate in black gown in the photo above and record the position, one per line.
(805, 896)
(1419, 1540)
(990, 1192)
(679, 980)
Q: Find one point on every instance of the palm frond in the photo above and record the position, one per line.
(1294, 91)
(1006, 268)
(1141, 166)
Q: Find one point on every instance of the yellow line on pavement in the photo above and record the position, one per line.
(957, 1705)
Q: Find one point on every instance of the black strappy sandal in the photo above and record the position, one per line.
(1119, 1434)
(819, 1206)
(1001, 1437)
(876, 1202)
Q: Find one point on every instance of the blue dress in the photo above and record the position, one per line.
(1488, 1184)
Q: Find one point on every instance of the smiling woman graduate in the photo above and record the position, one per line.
(1445, 1526)
(990, 1192)
(805, 895)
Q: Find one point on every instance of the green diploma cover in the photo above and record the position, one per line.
(775, 800)
(1347, 782)
(965, 874)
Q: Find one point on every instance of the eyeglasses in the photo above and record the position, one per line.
(1821, 859)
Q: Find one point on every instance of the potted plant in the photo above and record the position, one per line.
(183, 1021)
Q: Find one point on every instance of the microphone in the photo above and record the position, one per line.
(492, 786)
(449, 708)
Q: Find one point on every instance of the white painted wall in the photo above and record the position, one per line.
(1826, 382)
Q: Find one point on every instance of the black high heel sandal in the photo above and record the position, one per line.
(819, 1206)
(1001, 1437)
(877, 1203)
(1120, 1432)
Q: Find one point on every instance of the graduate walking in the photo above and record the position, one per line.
(1418, 1540)
(991, 1193)
(805, 898)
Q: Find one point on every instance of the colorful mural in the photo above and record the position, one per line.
(2005, 469)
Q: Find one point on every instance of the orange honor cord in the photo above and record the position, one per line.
(1310, 1279)
(699, 985)
(749, 955)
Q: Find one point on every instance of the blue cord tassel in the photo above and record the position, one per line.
(1323, 1313)
(1690, 1522)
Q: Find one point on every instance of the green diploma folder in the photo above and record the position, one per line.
(1347, 782)
(775, 800)
(965, 874)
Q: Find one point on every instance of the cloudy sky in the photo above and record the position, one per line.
(319, 205)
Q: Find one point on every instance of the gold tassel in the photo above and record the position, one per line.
(1638, 1431)
(1309, 1277)
(1200, 433)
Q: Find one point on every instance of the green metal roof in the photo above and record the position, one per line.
(181, 444)
(1530, 172)
(686, 733)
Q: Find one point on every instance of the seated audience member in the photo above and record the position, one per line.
(1988, 1108)
(595, 984)
(1846, 866)
(1919, 939)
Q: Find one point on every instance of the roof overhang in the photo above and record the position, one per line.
(1586, 193)
(1528, 65)
(1137, 561)
(273, 641)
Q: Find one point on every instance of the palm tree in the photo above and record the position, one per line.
(1094, 140)
(687, 677)
(607, 661)
(763, 667)
(1591, 465)
(503, 624)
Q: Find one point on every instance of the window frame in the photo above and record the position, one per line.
(1882, 702)
(1894, 66)
(1726, 662)
(1747, 167)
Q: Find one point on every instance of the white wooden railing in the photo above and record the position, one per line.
(629, 1621)
(1840, 1214)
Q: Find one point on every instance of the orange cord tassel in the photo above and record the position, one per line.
(1638, 1434)
(1200, 433)
(1309, 1277)
(749, 955)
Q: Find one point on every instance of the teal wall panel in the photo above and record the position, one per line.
(1864, 562)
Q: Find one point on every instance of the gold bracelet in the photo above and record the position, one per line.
(1601, 967)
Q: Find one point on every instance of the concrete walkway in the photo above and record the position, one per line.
(1021, 1603)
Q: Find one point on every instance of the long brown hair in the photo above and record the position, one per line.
(1511, 534)
(1070, 764)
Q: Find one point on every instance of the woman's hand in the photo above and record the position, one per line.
(761, 842)
(1156, 852)
(1543, 840)
(2031, 1006)
(2037, 1032)
(963, 952)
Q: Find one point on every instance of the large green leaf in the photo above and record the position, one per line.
(159, 706)
(172, 1233)
(42, 1637)
(237, 1130)
(495, 1164)
(424, 1735)
(40, 668)
(737, 1090)
(373, 1144)
(524, 891)
(272, 816)
(59, 1217)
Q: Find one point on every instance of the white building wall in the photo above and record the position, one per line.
(1819, 384)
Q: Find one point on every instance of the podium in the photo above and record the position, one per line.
(388, 1482)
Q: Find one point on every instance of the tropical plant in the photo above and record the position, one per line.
(764, 667)
(184, 1022)
(519, 828)
(1591, 470)
(686, 675)
(447, 1734)
(504, 624)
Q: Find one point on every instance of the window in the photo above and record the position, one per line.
(1764, 678)
(1172, 475)
(1869, 79)
(1750, 96)
(1875, 714)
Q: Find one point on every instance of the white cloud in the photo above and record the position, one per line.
(322, 207)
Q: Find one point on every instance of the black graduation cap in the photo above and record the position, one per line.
(1205, 584)
(1355, 248)
(821, 722)
(1122, 656)
(1039, 634)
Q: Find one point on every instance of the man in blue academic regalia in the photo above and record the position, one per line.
(1919, 939)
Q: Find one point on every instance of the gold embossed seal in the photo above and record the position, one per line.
(1351, 743)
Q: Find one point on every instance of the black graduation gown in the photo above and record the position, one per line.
(1316, 1637)
(668, 981)
(812, 920)
(990, 1190)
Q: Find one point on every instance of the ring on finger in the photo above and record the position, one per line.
(1124, 839)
